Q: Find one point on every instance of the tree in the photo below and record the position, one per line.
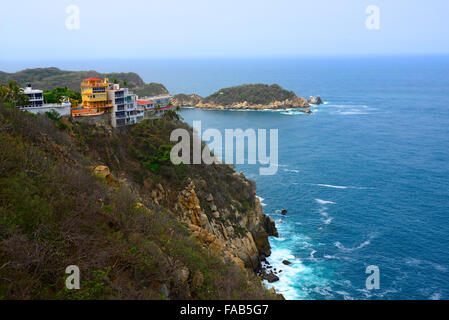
(13, 94)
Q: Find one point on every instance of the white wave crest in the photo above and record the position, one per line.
(291, 170)
(360, 246)
(330, 186)
(324, 202)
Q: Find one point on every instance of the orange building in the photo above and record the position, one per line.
(94, 94)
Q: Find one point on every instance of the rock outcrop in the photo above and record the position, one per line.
(244, 246)
(186, 99)
(315, 100)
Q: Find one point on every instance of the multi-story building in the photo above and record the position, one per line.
(121, 105)
(148, 107)
(35, 96)
(125, 110)
(155, 106)
(94, 97)
(37, 104)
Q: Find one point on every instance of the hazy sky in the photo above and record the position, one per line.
(190, 28)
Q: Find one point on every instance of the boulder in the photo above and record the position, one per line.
(271, 277)
(210, 198)
(308, 111)
(102, 171)
(286, 262)
(203, 220)
(315, 100)
(183, 274)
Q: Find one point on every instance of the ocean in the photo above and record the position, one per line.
(365, 178)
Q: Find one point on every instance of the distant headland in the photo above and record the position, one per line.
(249, 96)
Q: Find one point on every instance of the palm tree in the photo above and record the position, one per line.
(13, 94)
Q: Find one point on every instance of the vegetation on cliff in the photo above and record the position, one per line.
(11, 94)
(50, 78)
(251, 93)
(150, 89)
(121, 224)
(57, 94)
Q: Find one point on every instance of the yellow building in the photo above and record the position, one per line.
(94, 93)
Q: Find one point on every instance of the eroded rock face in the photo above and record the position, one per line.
(198, 102)
(186, 99)
(296, 102)
(243, 243)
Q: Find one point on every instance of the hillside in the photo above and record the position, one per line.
(111, 202)
(248, 96)
(150, 89)
(50, 78)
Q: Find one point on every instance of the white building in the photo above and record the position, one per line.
(37, 105)
(124, 107)
(35, 96)
(155, 106)
(149, 108)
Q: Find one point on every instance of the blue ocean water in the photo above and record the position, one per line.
(365, 179)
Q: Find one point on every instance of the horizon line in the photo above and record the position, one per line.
(268, 56)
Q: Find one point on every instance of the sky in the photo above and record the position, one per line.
(33, 30)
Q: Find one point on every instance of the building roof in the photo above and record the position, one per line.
(144, 102)
(92, 79)
(29, 90)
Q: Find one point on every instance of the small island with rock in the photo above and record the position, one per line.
(249, 96)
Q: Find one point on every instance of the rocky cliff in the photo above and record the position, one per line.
(245, 242)
(112, 203)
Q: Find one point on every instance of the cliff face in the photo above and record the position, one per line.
(244, 242)
(250, 96)
(112, 203)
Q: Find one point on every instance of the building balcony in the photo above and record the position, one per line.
(97, 98)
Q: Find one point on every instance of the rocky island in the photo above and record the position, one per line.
(248, 96)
